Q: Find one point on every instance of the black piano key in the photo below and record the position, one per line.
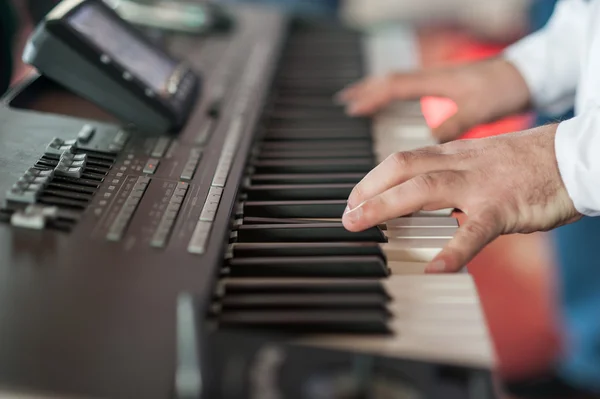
(254, 220)
(314, 131)
(294, 72)
(312, 154)
(295, 209)
(297, 286)
(304, 301)
(314, 321)
(307, 102)
(316, 145)
(315, 178)
(291, 192)
(308, 266)
(304, 166)
(315, 232)
(246, 250)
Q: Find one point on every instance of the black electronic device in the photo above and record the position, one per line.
(87, 47)
(102, 228)
(176, 16)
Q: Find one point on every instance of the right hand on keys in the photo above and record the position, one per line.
(505, 184)
(483, 92)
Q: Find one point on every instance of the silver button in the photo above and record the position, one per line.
(199, 238)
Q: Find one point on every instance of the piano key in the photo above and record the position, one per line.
(314, 132)
(293, 192)
(256, 220)
(308, 249)
(434, 317)
(314, 321)
(413, 249)
(304, 166)
(303, 285)
(295, 209)
(315, 178)
(306, 233)
(315, 145)
(421, 232)
(416, 221)
(437, 213)
(312, 154)
(359, 301)
(308, 266)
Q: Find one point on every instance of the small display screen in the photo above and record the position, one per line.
(116, 41)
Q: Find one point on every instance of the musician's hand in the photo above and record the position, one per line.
(483, 92)
(504, 184)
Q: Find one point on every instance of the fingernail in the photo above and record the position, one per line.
(436, 266)
(354, 215)
(347, 209)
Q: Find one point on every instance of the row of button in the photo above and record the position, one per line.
(192, 163)
(115, 233)
(209, 211)
(197, 244)
(199, 238)
(227, 154)
(168, 220)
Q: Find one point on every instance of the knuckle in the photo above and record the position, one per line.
(426, 183)
(478, 231)
(400, 159)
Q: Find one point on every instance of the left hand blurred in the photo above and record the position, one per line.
(504, 184)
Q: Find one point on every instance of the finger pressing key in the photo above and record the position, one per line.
(428, 191)
(398, 168)
(469, 240)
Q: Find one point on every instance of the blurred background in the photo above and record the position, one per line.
(516, 275)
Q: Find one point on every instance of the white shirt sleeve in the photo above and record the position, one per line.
(577, 147)
(549, 60)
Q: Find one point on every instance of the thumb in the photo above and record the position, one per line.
(452, 128)
(469, 240)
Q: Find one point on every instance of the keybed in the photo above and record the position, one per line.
(292, 267)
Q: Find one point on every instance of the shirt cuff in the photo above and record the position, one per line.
(577, 148)
(525, 56)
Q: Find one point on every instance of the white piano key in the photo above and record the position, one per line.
(413, 249)
(435, 317)
(400, 267)
(421, 232)
(399, 131)
(416, 221)
(436, 213)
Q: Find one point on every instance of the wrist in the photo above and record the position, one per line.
(509, 89)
